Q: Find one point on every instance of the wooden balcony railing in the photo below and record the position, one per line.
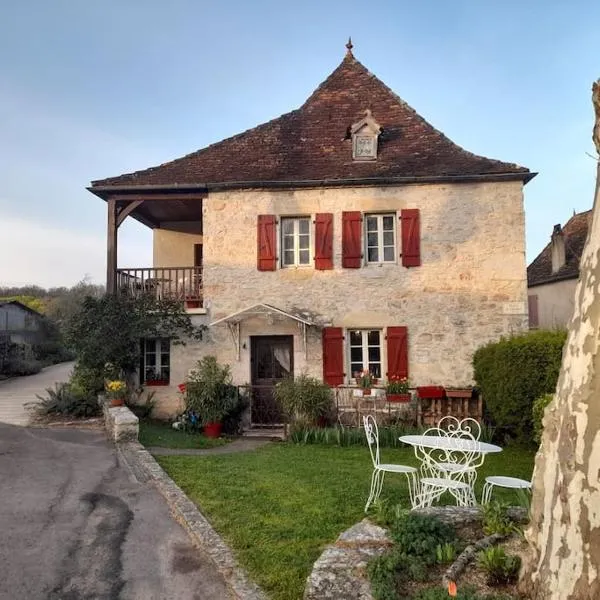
(177, 283)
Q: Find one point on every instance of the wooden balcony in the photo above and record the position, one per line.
(177, 283)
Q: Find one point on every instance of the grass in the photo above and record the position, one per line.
(158, 433)
(279, 506)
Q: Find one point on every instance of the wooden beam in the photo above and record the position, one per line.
(125, 211)
(160, 197)
(111, 247)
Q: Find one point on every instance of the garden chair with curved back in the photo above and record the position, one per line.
(380, 469)
(447, 468)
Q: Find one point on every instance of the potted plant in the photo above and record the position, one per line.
(305, 398)
(398, 389)
(365, 380)
(115, 392)
(156, 377)
(209, 394)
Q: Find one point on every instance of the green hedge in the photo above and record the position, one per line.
(515, 371)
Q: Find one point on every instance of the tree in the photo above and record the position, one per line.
(109, 329)
(564, 535)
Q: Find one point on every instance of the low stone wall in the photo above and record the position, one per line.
(121, 424)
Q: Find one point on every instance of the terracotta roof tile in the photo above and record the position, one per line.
(311, 143)
(575, 233)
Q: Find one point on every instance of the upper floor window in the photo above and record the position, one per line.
(381, 238)
(295, 241)
(365, 351)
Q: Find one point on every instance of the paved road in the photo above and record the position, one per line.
(74, 526)
(16, 393)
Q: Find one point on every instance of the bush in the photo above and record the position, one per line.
(52, 352)
(305, 398)
(500, 567)
(467, 593)
(420, 535)
(63, 400)
(86, 381)
(209, 393)
(497, 520)
(539, 406)
(515, 371)
(302, 433)
(20, 360)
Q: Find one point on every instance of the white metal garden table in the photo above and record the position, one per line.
(448, 464)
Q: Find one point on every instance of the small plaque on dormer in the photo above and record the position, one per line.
(365, 135)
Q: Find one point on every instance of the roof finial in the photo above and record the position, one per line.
(349, 47)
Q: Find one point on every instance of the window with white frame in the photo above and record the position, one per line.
(365, 351)
(295, 241)
(381, 238)
(156, 361)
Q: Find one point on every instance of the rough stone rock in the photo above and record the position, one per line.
(340, 572)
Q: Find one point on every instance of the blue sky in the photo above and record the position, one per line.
(94, 89)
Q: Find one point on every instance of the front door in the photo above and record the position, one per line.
(272, 359)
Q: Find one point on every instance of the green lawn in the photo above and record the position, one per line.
(280, 505)
(159, 433)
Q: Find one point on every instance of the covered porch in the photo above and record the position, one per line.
(175, 216)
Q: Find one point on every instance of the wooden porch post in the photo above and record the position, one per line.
(111, 247)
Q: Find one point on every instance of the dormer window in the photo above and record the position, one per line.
(365, 135)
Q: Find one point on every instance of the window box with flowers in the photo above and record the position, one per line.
(398, 389)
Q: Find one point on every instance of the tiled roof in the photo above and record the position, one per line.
(575, 233)
(312, 144)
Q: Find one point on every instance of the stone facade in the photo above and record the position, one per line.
(470, 288)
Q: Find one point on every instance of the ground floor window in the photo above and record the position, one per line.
(365, 351)
(156, 361)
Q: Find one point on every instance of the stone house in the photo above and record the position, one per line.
(552, 276)
(348, 234)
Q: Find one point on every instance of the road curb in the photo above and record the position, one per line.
(144, 466)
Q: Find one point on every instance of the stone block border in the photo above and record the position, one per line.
(141, 465)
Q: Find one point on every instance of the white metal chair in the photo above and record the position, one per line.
(380, 469)
(513, 483)
(447, 466)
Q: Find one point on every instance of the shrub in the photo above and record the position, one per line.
(209, 393)
(305, 398)
(303, 433)
(496, 519)
(500, 567)
(539, 406)
(420, 535)
(20, 360)
(63, 400)
(515, 371)
(86, 381)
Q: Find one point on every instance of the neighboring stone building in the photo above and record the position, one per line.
(348, 234)
(20, 324)
(553, 275)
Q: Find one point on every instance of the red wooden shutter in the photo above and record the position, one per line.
(533, 311)
(397, 352)
(411, 237)
(267, 257)
(324, 241)
(333, 355)
(351, 240)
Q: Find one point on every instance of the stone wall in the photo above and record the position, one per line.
(470, 289)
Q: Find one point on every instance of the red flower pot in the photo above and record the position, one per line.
(431, 391)
(366, 391)
(181, 388)
(117, 402)
(212, 430)
(398, 398)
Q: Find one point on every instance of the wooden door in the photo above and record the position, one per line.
(272, 360)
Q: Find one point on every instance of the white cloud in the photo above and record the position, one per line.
(33, 253)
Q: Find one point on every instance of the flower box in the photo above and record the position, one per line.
(156, 382)
(398, 398)
(431, 391)
(193, 302)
